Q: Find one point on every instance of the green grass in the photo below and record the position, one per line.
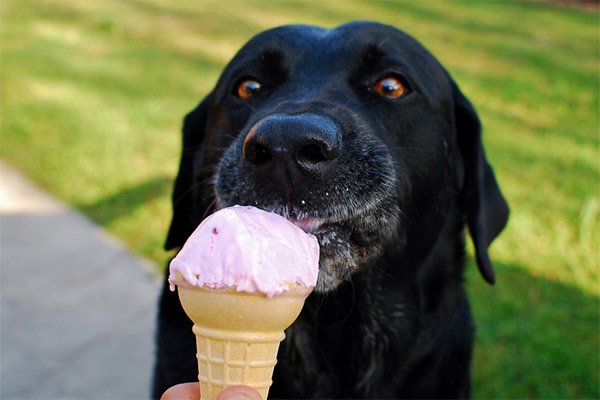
(93, 94)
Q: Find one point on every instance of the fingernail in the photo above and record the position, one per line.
(235, 396)
(239, 393)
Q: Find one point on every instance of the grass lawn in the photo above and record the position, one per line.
(93, 94)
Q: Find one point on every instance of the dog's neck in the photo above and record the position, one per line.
(342, 327)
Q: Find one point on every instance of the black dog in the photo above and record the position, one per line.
(358, 135)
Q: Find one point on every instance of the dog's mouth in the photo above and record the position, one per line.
(308, 225)
(339, 242)
(320, 227)
(315, 225)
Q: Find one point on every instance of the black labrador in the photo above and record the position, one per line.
(358, 135)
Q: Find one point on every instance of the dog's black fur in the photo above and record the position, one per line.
(386, 181)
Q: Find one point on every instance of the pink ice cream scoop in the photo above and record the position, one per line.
(248, 249)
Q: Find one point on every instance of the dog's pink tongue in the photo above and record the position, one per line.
(248, 249)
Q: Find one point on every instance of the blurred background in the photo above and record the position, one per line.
(94, 92)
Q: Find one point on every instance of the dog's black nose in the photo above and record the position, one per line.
(304, 142)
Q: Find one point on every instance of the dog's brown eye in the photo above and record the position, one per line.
(390, 87)
(248, 88)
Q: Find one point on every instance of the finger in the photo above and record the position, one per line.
(184, 391)
(239, 393)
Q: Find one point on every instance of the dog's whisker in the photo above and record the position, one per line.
(209, 207)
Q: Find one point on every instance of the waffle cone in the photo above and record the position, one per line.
(238, 335)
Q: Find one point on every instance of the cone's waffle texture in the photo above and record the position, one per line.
(238, 335)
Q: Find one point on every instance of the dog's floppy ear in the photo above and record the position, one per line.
(483, 203)
(184, 193)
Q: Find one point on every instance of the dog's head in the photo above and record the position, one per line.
(353, 134)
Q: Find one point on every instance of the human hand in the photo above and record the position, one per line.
(191, 391)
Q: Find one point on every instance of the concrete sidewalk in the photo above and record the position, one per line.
(77, 310)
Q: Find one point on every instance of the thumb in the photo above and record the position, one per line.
(239, 393)
(184, 391)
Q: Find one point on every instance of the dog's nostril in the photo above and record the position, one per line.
(257, 153)
(313, 153)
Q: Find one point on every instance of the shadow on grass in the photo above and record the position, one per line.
(536, 338)
(127, 201)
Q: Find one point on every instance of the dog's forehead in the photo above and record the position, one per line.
(349, 39)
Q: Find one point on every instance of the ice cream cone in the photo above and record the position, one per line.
(238, 334)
